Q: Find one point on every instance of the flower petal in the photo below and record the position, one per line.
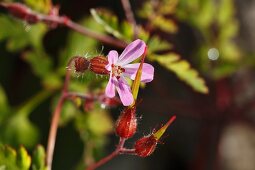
(147, 72)
(124, 91)
(112, 59)
(110, 88)
(133, 51)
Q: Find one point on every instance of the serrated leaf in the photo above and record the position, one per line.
(123, 30)
(12, 160)
(108, 27)
(39, 156)
(164, 24)
(155, 44)
(168, 7)
(23, 159)
(183, 70)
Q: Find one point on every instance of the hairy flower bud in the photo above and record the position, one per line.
(97, 65)
(146, 145)
(81, 64)
(22, 12)
(127, 123)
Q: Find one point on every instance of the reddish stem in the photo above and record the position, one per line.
(55, 118)
(116, 152)
(53, 132)
(62, 20)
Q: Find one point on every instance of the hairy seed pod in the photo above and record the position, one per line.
(81, 64)
(97, 65)
(127, 123)
(145, 146)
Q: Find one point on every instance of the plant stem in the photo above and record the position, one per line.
(130, 16)
(53, 132)
(116, 152)
(65, 21)
(56, 116)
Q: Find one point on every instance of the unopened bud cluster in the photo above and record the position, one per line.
(96, 64)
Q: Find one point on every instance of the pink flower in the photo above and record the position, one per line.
(120, 68)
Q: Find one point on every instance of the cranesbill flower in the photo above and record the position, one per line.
(120, 68)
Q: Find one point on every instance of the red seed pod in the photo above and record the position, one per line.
(81, 64)
(145, 146)
(127, 123)
(22, 12)
(97, 65)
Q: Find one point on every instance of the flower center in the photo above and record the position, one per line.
(117, 71)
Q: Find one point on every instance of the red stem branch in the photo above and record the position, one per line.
(55, 118)
(20, 10)
(116, 152)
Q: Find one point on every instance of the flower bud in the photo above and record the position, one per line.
(81, 64)
(146, 145)
(97, 65)
(22, 12)
(127, 123)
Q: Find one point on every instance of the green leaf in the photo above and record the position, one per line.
(39, 156)
(4, 106)
(108, 21)
(168, 7)
(19, 35)
(164, 24)
(155, 44)
(41, 64)
(182, 69)
(96, 123)
(14, 160)
(69, 111)
(39, 5)
(19, 130)
(23, 159)
(225, 11)
(99, 122)
(120, 30)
